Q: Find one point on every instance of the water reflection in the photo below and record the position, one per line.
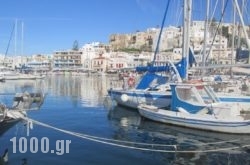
(89, 90)
(125, 118)
(196, 145)
(9, 88)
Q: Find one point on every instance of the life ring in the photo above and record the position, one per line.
(131, 82)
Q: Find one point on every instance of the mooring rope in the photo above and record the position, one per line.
(122, 144)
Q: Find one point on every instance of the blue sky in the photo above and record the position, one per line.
(51, 25)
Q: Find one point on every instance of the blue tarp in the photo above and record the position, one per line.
(217, 78)
(242, 54)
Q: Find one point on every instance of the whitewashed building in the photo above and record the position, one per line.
(91, 51)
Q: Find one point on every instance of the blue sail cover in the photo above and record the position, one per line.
(148, 78)
(181, 66)
(151, 68)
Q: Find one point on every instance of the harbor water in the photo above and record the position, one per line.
(78, 124)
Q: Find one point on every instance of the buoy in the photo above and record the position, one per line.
(124, 97)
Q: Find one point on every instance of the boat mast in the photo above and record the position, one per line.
(6, 52)
(205, 38)
(22, 38)
(159, 38)
(15, 37)
(243, 26)
(186, 35)
(233, 36)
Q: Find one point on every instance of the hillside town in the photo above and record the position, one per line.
(136, 49)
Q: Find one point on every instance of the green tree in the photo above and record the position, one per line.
(75, 45)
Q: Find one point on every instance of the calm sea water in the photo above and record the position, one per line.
(101, 133)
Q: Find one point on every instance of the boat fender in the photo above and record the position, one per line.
(182, 110)
(124, 97)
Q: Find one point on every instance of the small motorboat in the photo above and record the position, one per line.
(196, 106)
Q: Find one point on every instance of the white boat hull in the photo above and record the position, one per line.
(197, 121)
(132, 98)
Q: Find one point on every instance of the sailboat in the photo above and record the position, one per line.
(195, 105)
(234, 90)
(153, 88)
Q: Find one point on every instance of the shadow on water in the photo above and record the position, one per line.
(192, 146)
(4, 150)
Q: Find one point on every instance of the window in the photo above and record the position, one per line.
(187, 95)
